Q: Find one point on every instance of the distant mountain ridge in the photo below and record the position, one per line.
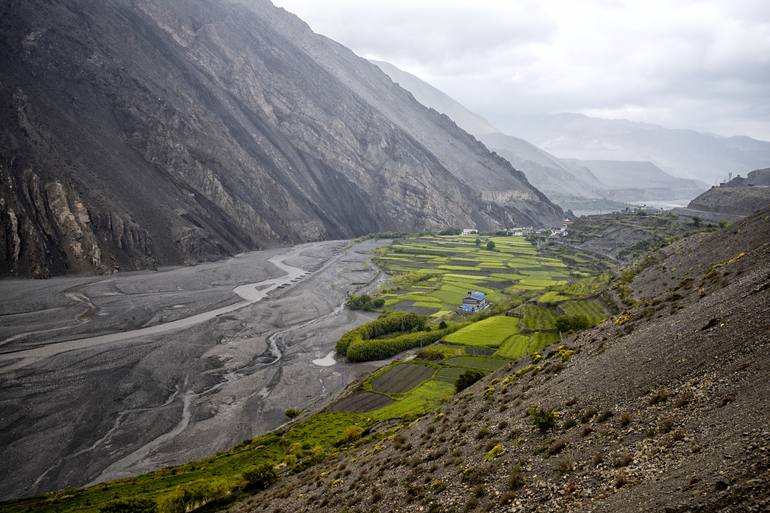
(142, 132)
(678, 152)
(569, 182)
(637, 181)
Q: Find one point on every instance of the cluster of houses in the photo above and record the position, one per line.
(523, 231)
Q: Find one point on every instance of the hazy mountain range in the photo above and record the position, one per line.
(603, 160)
(682, 153)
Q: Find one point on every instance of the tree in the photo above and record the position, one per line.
(260, 476)
(567, 323)
(364, 302)
(129, 506)
(478, 242)
(468, 378)
(490, 245)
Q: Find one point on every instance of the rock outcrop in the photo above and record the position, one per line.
(738, 197)
(177, 132)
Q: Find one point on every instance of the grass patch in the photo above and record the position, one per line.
(519, 346)
(490, 332)
(477, 362)
(536, 318)
(592, 309)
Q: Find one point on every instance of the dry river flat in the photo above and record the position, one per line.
(107, 377)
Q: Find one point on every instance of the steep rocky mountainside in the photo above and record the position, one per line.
(141, 132)
(665, 408)
(438, 100)
(741, 196)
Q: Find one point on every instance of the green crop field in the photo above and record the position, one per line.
(552, 297)
(590, 308)
(477, 362)
(536, 318)
(519, 346)
(448, 267)
(490, 332)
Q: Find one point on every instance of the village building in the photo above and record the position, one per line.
(474, 302)
(470, 231)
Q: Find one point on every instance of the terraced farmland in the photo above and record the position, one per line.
(401, 378)
(490, 332)
(434, 273)
(589, 308)
(536, 318)
(519, 346)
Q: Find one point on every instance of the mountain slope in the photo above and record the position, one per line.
(568, 182)
(739, 197)
(438, 100)
(547, 172)
(145, 132)
(637, 181)
(681, 153)
(665, 409)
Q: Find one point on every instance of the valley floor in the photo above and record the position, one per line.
(106, 377)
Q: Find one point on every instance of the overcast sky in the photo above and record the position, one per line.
(694, 64)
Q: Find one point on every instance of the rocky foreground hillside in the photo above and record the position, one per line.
(665, 408)
(740, 196)
(142, 132)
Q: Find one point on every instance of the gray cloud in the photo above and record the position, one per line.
(701, 64)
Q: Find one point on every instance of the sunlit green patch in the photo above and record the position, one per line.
(519, 346)
(490, 332)
(590, 308)
(477, 362)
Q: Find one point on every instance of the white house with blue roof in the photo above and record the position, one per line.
(474, 302)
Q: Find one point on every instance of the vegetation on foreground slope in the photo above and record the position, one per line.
(663, 409)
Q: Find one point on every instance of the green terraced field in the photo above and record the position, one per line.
(450, 374)
(519, 346)
(536, 318)
(450, 266)
(477, 362)
(591, 308)
(552, 297)
(490, 332)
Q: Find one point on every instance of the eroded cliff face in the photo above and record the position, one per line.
(47, 230)
(177, 132)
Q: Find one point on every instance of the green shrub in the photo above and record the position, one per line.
(192, 496)
(352, 434)
(367, 350)
(364, 302)
(129, 506)
(568, 323)
(393, 322)
(430, 353)
(260, 476)
(490, 245)
(292, 413)
(468, 378)
(494, 452)
(544, 420)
